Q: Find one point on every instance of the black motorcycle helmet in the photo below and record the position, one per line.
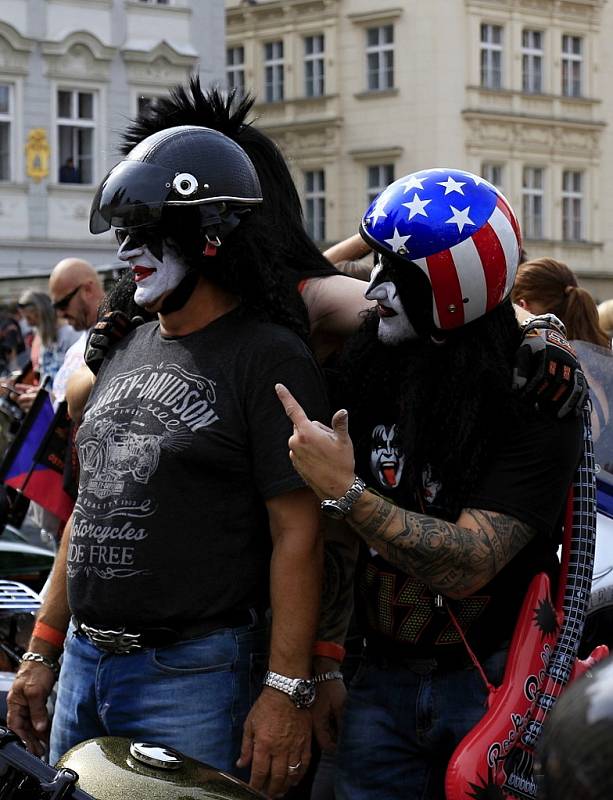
(575, 752)
(184, 167)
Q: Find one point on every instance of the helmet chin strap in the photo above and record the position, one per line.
(181, 293)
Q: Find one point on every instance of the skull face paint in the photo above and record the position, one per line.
(156, 266)
(386, 456)
(394, 324)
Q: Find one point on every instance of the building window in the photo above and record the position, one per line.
(491, 56)
(532, 61)
(380, 58)
(235, 69)
(75, 128)
(315, 204)
(273, 71)
(6, 122)
(379, 177)
(572, 205)
(532, 202)
(494, 174)
(572, 65)
(314, 78)
(156, 2)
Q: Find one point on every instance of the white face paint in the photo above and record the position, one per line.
(394, 325)
(154, 279)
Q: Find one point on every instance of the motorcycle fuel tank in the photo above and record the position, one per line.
(113, 768)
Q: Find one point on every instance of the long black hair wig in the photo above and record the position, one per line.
(452, 400)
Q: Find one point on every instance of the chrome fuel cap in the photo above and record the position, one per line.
(155, 755)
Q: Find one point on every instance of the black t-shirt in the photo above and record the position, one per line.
(182, 441)
(526, 478)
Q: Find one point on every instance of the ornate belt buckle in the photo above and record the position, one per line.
(119, 642)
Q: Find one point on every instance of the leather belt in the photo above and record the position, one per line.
(120, 641)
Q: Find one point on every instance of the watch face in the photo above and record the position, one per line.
(332, 509)
(304, 693)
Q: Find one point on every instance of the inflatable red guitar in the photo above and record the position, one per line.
(495, 760)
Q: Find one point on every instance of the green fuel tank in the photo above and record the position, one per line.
(113, 768)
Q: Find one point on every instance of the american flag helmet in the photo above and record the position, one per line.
(459, 230)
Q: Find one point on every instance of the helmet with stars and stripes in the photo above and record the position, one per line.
(456, 229)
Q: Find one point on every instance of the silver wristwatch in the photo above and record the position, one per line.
(337, 509)
(301, 691)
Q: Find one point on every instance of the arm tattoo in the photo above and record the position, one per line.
(454, 559)
(340, 555)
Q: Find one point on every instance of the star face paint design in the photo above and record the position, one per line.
(156, 276)
(386, 456)
(394, 325)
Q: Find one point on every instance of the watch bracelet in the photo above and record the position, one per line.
(333, 675)
(39, 658)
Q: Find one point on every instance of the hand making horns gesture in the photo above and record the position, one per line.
(323, 456)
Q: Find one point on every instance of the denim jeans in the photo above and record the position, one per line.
(402, 725)
(193, 696)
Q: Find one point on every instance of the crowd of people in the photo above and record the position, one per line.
(230, 530)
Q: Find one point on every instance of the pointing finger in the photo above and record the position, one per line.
(292, 407)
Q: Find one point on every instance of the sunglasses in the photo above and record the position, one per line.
(144, 236)
(64, 302)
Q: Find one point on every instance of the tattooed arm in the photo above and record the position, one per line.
(453, 559)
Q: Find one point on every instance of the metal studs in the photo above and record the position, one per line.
(451, 308)
(402, 251)
(185, 184)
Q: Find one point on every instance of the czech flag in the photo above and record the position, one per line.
(34, 463)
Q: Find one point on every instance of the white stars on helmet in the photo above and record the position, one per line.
(414, 183)
(417, 206)
(398, 242)
(460, 217)
(452, 185)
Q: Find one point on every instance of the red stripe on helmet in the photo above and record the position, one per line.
(494, 264)
(446, 290)
(507, 211)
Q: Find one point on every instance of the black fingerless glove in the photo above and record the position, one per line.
(546, 371)
(105, 334)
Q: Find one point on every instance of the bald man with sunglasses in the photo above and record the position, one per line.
(76, 292)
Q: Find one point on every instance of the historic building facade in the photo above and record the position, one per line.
(72, 72)
(358, 92)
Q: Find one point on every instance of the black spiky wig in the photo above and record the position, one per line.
(270, 251)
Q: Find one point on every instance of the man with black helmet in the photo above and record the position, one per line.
(468, 480)
(190, 519)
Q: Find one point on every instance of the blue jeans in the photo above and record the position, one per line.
(193, 696)
(401, 726)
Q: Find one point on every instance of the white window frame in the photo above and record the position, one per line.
(314, 65)
(532, 60)
(533, 202)
(493, 172)
(380, 59)
(491, 56)
(315, 203)
(274, 71)
(572, 66)
(9, 118)
(77, 122)
(235, 69)
(573, 205)
(378, 177)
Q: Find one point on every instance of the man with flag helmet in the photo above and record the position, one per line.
(453, 483)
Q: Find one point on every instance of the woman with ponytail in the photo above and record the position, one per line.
(547, 286)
